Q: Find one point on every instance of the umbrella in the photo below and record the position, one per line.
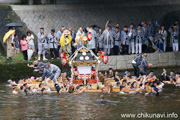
(14, 24)
(6, 36)
(30, 53)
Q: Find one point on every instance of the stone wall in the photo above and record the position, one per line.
(76, 15)
(7, 15)
(9, 1)
(159, 60)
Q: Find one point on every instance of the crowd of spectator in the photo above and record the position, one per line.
(132, 39)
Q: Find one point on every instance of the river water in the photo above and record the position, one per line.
(83, 106)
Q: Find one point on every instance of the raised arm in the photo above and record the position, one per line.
(106, 24)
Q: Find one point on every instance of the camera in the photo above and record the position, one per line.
(66, 36)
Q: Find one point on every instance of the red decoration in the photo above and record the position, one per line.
(105, 59)
(62, 54)
(102, 53)
(64, 61)
(76, 73)
(89, 36)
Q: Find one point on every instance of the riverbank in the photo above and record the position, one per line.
(15, 70)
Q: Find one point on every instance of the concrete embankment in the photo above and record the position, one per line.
(159, 60)
(168, 60)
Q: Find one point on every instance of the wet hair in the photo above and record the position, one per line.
(43, 89)
(14, 86)
(124, 81)
(24, 84)
(158, 82)
(78, 87)
(22, 87)
(71, 89)
(29, 88)
(118, 83)
(26, 90)
(146, 83)
(121, 87)
(154, 82)
(128, 83)
(57, 87)
(132, 85)
(40, 85)
(102, 97)
(150, 83)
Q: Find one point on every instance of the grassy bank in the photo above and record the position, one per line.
(14, 70)
(15, 59)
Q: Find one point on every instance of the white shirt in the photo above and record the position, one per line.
(31, 42)
(161, 85)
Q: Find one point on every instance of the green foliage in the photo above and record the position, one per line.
(8, 17)
(2, 58)
(15, 70)
(18, 58)
(15, 59)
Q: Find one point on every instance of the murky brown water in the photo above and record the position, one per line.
(84, 106)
